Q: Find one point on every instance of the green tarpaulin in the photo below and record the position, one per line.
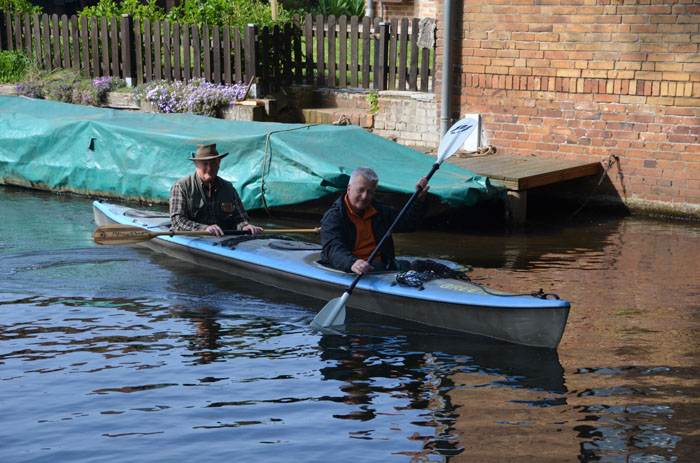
(113, 153)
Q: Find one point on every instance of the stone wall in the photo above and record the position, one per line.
(614, 81)
(408, 118)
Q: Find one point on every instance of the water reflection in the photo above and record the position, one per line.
(124, 353)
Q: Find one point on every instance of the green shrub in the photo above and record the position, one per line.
(341, 8)
(227, 13)
(211, 12)
(19, 6)
(13, 65)
(110, 8)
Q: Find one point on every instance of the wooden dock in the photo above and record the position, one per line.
(519, 174)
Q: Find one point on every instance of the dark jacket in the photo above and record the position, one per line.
(338, 232)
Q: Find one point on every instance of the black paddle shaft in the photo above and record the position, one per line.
(413, 197)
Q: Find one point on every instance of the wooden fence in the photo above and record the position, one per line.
(322, 52)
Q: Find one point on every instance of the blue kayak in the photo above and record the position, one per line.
(447, 303)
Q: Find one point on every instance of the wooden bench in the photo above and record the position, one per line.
(519, 174)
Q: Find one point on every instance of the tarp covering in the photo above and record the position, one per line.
(113, 153)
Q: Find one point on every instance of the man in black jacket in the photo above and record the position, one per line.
(355, 224)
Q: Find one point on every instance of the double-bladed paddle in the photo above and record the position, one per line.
(127, 234)
(334, 311)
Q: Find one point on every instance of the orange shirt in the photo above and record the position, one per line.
(364, 239)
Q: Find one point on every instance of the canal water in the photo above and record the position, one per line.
(119, 355)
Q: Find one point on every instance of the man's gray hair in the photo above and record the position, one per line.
(365, 172)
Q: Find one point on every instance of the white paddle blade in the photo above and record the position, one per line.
(332, 314)
(455, 137)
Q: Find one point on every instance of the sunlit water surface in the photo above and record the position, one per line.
(116, 354)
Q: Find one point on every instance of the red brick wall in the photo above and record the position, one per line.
(586, 80)
(405, 9)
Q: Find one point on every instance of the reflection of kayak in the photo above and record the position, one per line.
(292, 265)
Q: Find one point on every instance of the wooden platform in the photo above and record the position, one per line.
(519, 174)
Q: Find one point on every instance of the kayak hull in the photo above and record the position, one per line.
(450, 304)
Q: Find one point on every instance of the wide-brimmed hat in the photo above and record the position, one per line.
(207, 153)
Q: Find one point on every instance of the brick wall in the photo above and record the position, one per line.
(587, 80)
(406, 9)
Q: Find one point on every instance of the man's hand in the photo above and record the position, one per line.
(361, 267)
(254, 230)
(422, 183)
(215, 230)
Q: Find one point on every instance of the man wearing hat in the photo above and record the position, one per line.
(205, 201)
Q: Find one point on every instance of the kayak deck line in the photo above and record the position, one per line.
(451, 304)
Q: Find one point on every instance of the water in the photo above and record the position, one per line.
(116, 354)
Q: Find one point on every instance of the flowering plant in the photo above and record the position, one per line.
(195, 96)
(68, 87)
(93, 93)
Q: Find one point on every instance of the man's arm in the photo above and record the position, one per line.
(179, 218)
(335, 252)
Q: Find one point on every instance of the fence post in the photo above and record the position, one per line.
(128, 51)
(381, 76)
(251, 59)
(2, 30)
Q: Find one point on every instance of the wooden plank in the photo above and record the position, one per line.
(250, 55)
(75, 42)
(186, 53)
(46, 38)
(375, 63)
(216, 55)
(94, 48)
(413, 71)
(167, 52)
(265, 58)
(297, 31)
(157, 52)
(287, 41)
(403, 54)
(65, 41)
(276, 59)
(393, 33)
(237, 53)
(354, 50)
(114, 39)
(148, 48)
(18, 32)
(226, 33)
(8, 31)
(560, 175)
(381, 72)
(104, 46)
(37, 40)
(366, 46)
(343, 52)
(85, 41)
(206, 51)
(27, 23)
(320, 53)
(56, 33)
(138, 47)
(519, 173)
(177, 52)
(331, 79)
(424, 69)
(309, 40)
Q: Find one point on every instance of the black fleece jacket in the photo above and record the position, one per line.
(338, 233)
